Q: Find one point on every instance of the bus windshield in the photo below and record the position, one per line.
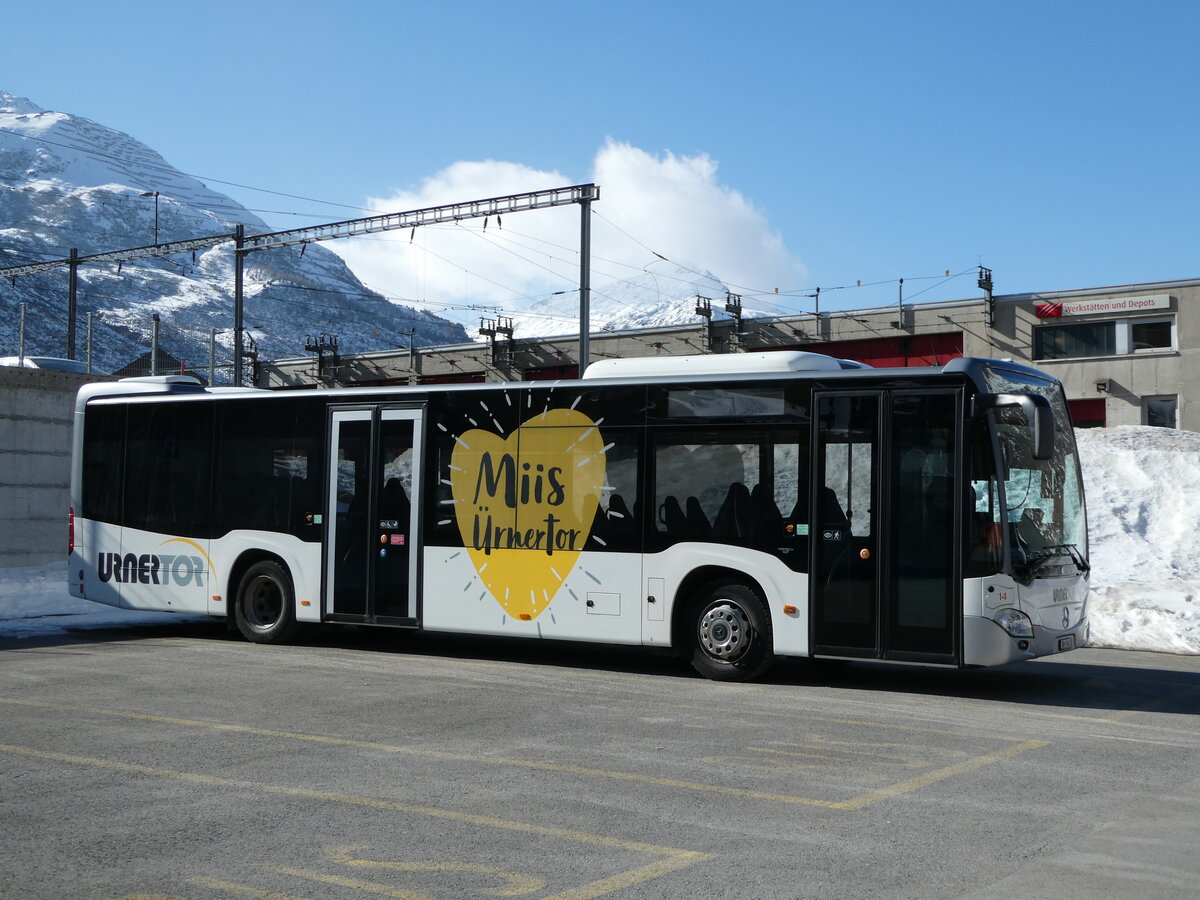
(1042, 500)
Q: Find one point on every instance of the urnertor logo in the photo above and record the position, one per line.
(156, 568)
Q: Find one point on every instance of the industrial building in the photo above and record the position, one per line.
(1126, 354)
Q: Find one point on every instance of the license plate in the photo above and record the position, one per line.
(1066, 643)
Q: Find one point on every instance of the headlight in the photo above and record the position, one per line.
(1014, 622)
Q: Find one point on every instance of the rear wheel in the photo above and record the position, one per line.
(265, 607)
(730, 632)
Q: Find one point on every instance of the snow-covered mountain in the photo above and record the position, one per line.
(663, 294)
(67, 182)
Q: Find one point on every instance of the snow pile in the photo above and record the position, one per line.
(34, 600)
(1143, 494)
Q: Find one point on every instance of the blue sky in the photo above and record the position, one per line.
(781, 145)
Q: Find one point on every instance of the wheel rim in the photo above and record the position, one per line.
(264, 602)
(724, 631)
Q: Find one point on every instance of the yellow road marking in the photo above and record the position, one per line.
(706, 708)
(627, 879)
(771, 764)
(243, 890)
(792, 753)
(674, 859)
(818, 743)
(518, 883)
(369, 887)
(929, 778)
(856, 803)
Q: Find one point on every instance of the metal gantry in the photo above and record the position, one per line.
(583, 194)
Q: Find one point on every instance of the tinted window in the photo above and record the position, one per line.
(758, 402)
(103, 457)
(269, 465)
(1085, 339)
(1161, 411)
(1150, 335)
(732, 485)
(507, 460)
(921, 600)
(168, 465)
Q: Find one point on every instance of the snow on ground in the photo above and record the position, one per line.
(1143, 494)
(34, 600)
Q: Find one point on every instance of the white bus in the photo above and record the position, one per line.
(732, 508)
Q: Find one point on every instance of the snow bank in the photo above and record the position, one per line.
(1143, 494)
(34, 600)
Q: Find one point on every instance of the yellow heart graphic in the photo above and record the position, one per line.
(525, 504)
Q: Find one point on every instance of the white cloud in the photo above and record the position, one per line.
(675, 205)
(669, 204)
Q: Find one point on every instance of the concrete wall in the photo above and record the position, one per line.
(36, 407)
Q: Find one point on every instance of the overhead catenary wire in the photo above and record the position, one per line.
(149, 277)
(770, 298)
(173, 171)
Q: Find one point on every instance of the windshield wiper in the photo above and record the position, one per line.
(1054, 551)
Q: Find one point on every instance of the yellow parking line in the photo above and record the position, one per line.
(517, 882)
(707, 708)
(673, 858)
(563, 768)
(243, 890)
(816, 742)
(929, 778)
(368, 887)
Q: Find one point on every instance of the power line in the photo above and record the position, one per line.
(172, 170)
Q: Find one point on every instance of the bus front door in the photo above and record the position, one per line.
(371, 547)
(886, 525)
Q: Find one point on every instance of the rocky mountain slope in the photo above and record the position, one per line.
(67, 182)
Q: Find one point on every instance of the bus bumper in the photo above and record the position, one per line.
(987, 644)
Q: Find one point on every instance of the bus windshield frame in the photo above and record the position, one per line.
(1040, 502)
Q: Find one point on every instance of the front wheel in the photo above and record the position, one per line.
(265, 607)
(730, 632)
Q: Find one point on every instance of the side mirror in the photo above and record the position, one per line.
(1038, 415)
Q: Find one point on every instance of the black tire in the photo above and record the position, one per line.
(265, 608)
(729, 630)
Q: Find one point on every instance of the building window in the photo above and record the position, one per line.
(1151, 334)
(1084, 339)
(1113, 338)
(1161, 411)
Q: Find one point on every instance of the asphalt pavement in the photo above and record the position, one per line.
(177, 761)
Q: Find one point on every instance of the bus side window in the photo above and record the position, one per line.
(616, 522)
(103, 472)
(168, 460)
(733, 485)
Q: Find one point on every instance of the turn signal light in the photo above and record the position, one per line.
(526, 617)
(790, 610)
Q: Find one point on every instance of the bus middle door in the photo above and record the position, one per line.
(371, 546)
